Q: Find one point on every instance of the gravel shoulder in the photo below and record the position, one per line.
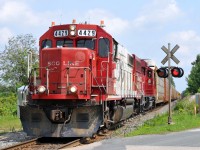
(12, 138)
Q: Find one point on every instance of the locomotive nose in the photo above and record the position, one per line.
(70, 70)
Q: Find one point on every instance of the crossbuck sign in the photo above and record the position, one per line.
(170, 54)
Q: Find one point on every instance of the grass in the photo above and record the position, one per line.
(183, 118)
(9, 124)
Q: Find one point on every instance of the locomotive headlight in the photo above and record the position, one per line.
(73, 89)
(72, 33)
(72, 27)
(41, 89)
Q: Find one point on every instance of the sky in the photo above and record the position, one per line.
(142, 26)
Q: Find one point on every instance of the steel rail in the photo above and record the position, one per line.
(71, 144)
(22, 145)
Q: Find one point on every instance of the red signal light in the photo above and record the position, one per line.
(162, 72)
(177, 72)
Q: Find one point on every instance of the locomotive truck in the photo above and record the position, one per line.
(85, 81)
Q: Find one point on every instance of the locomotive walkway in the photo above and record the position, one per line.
(186, 140)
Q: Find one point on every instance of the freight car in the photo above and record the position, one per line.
(86, 80)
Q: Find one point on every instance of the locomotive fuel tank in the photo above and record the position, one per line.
(122, 112)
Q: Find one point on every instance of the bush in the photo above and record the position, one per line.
(185, 106)
(8, 104)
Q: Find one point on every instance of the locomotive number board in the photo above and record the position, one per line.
(86, 33)
(60, 33)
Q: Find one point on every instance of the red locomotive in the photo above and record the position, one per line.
(86, 81)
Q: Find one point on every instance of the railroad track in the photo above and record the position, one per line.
(34, 144)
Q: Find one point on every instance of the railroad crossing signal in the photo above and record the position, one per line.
(170, 54)
(177, 72)
(162, 72)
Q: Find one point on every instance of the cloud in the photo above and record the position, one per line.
(114, 25)
(157, 12)
(186, 36)
(189, 47)
(188, 40)
(5, 33)
(20, 13)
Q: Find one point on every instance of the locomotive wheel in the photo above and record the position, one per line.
(154, 103)
(86, 140)
(146, 104)
(137, 109)
(141, 105)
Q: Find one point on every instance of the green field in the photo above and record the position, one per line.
(9, 124)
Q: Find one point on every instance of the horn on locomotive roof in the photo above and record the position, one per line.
(102, 23)
(53, 23)
(74, 21)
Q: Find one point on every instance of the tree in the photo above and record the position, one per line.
(193, 79)
(13, 62)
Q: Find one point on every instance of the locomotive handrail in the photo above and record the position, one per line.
(105, 70)
(85, 68)
(85, 77)
(68, 68)
(78, 68)
(34, 78)
(98, 87)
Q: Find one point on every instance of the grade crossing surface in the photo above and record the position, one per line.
(186, 140)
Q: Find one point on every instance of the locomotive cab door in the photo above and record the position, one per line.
(104, 63)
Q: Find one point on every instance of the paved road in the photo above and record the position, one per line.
(187, 140)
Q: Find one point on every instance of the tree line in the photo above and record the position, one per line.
(193, 79)
(13, 70)
(13, 62)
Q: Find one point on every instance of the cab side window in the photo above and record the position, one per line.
(115, 50)
(104, 47)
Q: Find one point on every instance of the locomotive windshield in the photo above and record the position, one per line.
(64, 43)
(46, 44)
(88, 43)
